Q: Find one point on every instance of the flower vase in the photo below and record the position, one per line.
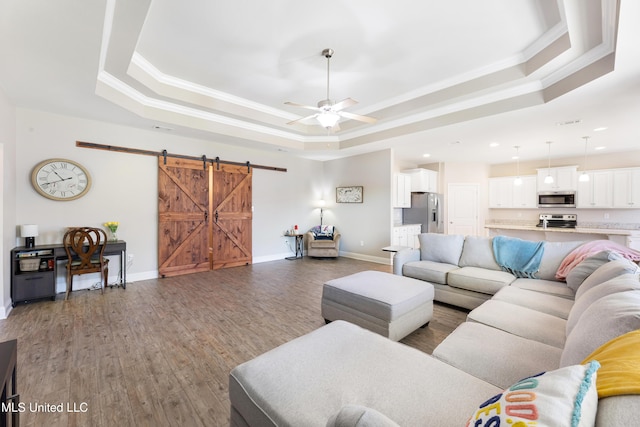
(114, 235)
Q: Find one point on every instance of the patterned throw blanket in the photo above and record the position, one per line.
(519, 257)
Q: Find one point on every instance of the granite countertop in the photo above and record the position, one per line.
(583, 230)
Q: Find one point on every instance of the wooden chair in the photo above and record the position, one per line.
(85, 252)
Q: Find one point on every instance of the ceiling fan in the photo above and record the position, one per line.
(328, 112)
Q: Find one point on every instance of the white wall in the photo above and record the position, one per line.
(365, 227)
(125, 185)
(7, 198)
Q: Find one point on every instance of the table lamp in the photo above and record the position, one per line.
(29, 232)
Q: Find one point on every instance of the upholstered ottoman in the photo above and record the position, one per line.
(390, 305)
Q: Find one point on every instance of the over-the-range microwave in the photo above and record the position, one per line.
(557, 199)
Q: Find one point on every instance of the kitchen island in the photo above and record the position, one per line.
(626, 237)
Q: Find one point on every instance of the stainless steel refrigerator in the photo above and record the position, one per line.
(426, 209)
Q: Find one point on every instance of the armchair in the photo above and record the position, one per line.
(323, 242)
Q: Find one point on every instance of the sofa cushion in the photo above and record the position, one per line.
(545, 303)
(479, 279)
(605, 273)
(605, 319)
(554, 253)
(625, 282)
(550, 287)
(477, 251)
(444, 248)
(564, 397)
(521, 321)
(580, 272)
(305, 381)
(433, 272)
(359, 416)
(503, 364)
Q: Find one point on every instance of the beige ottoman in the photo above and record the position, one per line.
(390, 305)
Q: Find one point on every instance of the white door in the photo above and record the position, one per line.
(462, 209)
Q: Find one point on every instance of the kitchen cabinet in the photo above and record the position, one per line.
(402, 190)
(503, 193)
(626, 188)
(597, 192)
(423, 180)
(406, 235)
(564, 179)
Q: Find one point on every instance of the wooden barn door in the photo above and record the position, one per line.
(231, 216)
(183, 216)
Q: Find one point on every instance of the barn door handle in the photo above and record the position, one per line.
(206, 217)
(216, 216)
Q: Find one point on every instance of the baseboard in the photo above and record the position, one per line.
(274, 257)
(4, 311)
(370, 258)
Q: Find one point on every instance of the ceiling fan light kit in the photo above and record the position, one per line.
(329, 113)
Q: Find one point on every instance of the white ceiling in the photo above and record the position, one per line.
(445, 78)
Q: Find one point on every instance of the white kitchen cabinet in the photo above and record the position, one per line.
(597, 192)
(423, 180)
(525, 196)
(406, 235)
(503, 193)
(402, 191)
(626, 188)
(564, 179)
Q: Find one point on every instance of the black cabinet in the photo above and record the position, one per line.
(33, 274)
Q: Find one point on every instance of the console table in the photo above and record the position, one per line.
(41, 283)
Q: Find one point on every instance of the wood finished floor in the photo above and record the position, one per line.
(159, 353)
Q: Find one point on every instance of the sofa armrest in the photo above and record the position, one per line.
(402, 257)
(310, 236)
(336, 237)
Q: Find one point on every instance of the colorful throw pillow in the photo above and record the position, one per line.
(564, 397)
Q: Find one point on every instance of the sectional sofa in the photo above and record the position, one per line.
(485, 373)
(464, 271)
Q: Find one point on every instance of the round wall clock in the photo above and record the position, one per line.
(60, 179)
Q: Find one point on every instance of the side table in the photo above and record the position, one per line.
(299, 245)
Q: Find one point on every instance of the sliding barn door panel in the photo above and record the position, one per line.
(231, 234)
(183, 216)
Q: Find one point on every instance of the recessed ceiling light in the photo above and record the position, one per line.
(602, 147)
(426, 155)
(600, 129)
(494, 144)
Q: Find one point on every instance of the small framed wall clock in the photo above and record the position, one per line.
(349, 194)
(60, 179)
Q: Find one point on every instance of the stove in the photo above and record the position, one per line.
(558, 221)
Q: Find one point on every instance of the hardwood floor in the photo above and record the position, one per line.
(159, 353)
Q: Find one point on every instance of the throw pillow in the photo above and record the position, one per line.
(580, 272)
(440, 247)
(564, 397)
(605, 273)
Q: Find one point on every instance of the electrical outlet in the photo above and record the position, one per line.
(361, 242)
(606, 216)
(130, 257)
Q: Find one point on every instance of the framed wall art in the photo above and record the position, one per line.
(349, 194)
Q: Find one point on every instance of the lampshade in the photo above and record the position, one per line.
(328, 119)
(320, 203)
(28, 230)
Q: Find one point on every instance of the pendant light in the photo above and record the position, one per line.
(583, 176)
(518, 180)
(549, 179)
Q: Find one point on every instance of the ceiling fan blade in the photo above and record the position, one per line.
(358, 117)
(345, 103)
(308, 107)
(302, 119)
